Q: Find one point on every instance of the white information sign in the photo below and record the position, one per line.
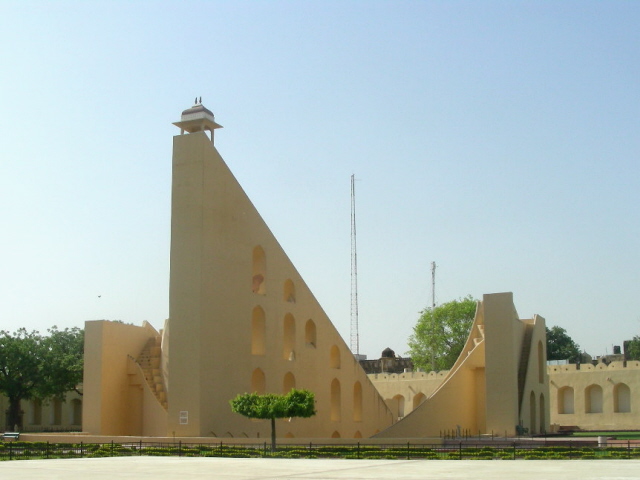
(184, 417)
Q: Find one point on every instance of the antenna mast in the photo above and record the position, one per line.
(433, 284)
(355, 337)
(433, 307)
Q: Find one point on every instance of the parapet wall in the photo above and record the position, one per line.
(587, 367)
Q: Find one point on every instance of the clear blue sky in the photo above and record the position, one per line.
(499, 139)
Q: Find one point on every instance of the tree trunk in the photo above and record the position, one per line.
(273, 435)
(14, 417)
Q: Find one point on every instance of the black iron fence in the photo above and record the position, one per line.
(15, 450)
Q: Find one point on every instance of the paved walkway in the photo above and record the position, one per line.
(319, 469)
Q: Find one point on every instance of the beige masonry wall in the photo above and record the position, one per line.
(113, 390)
(600, 397)
(403, 392)
(242, 319)
(498, 383)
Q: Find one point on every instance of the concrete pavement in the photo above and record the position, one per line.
(166, 468)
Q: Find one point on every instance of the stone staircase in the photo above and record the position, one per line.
(149, 361)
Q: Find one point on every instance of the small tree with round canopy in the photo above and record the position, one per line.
(270, 406)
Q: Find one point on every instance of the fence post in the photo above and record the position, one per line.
(628, 449)
(358, 451)
(112, 448)
(408, 451)
(570, 449)
(81, 449)
(460, 451)
(514, 450)
(180, 448)
(10, 451)
(220, 447)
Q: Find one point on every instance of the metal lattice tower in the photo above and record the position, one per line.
(355, 337)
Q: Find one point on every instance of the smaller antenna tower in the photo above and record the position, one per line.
(355, 337)
(433, 284)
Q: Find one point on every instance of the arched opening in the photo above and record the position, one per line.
(310, 333)
(335, 400)
(357, 434)
(258, 381)
(288, 383)
(259, 271)
(532, 413)
(334, 361)
(565, 400)
(258, 332)
(56, 412)
(335, 434)
(289, 435)
(398, 405)
(357, 402)
(543, 417)
(36, 412)
(76, 412)
(593, 399)
(541, 363)
(418, 398)
(289, 293)
(289, 334)
(621, 398)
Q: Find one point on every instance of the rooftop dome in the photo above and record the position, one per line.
(197, 109)
(388, 353)
(198, 118)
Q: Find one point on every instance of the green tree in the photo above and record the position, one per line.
(33, 366)
(440, 334)
(64, 356)
(632, 348)
(560, 346)
(270, 406)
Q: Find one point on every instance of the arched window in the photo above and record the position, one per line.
(541, 363)
(336, 401)
(532, 413)
(258, 332)
(543, 417)
(289, 293)
(259, 271)
(418, 398)
(289, 334)
(76, 411)
(335, 434)
(56, 412)
(398, 405)
(36, 412)
(565, 400)
(621, 398)
(288, 383)
(258, 381)
(593, 399)
(334, 361)
(357, 434)
(310, 333)
(357, 402)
